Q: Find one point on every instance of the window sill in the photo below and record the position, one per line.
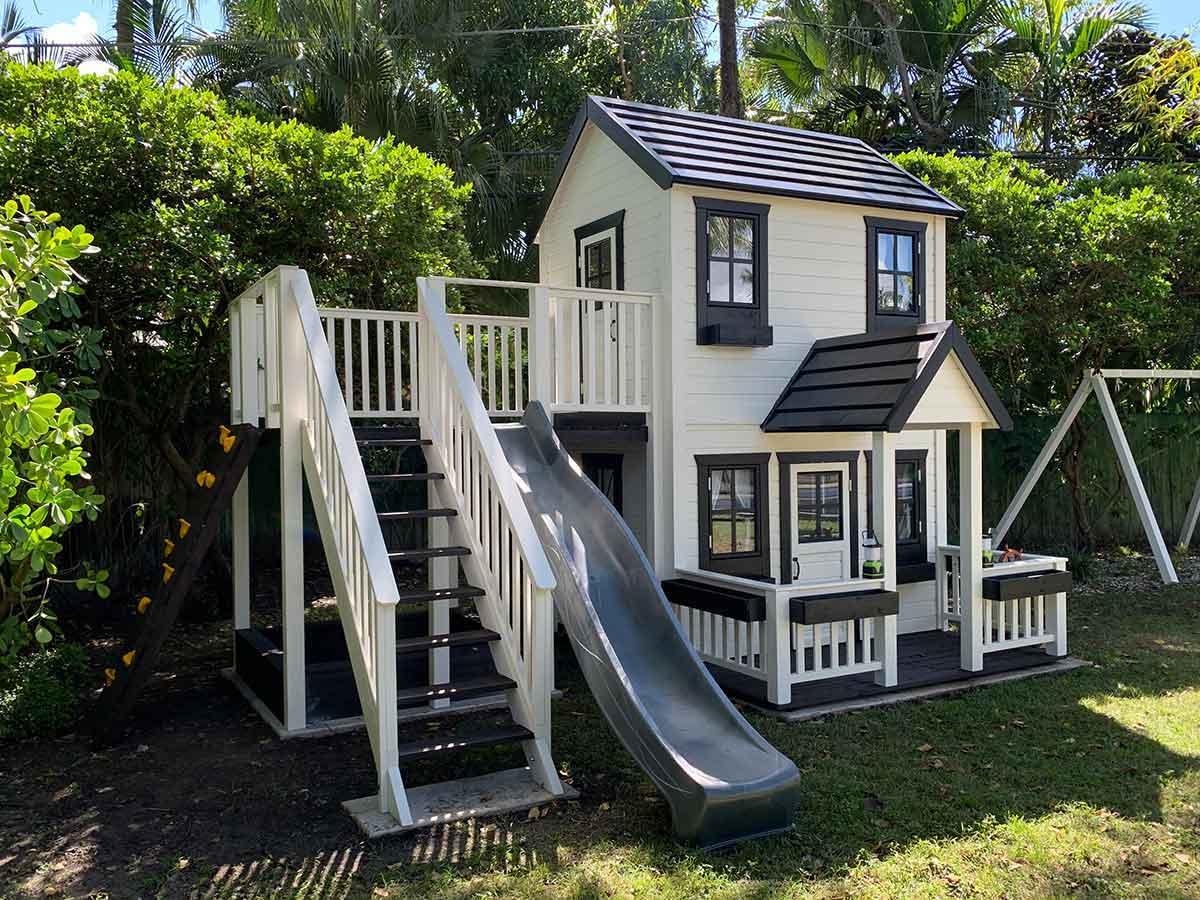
(915, 573)
(735, 336)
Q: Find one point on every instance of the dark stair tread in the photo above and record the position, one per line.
(394, 442)
(463, 592)
(408, 476)
(453, 639)
(506, 733)
(455, 690)
(405, 514)
(427, 553)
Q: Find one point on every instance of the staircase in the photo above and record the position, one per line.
(474, 524)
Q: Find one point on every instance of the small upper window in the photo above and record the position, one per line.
(895, 276)
(818, 506)
(731, 259)
(731, 273)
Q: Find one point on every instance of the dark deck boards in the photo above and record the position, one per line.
(925, 658)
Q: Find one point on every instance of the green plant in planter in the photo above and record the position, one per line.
(43, 474)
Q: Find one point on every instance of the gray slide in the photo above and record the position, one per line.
(723, 782)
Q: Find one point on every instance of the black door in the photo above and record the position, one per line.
(604, 470)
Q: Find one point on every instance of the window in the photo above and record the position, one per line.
(895, 273)
(600, 253)
(910, 506)
(604, 471)
(731, 264)
(733, 514)
(818, 506)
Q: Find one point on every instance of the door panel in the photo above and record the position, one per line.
(820, 526)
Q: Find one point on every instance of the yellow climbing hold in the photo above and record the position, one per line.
(168, 546)
(143, 605)
(168, 571)
(110, 675)
(128, 658)
(184, 527)
(205, 478)
(227, 439)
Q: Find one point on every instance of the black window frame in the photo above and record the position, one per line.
(915, 551)
(616, 222)
(877, 320)
(727, 323)
(746, 565)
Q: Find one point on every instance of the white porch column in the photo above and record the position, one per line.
(292, 387)
(777, 648)
(970, 542)
(443, 573)
(241, 553)
(541, 353)
(883, 504)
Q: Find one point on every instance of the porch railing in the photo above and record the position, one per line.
(596, 350)
(777, 650)
(1008, 624)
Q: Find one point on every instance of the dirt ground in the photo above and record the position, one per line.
(201, 799)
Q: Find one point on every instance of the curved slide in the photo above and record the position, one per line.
(723, 782)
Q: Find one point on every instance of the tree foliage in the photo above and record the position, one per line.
(192, 203)
(43, 474)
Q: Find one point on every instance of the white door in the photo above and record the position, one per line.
(820, 525)
(598, 338)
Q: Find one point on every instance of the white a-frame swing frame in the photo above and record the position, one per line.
(1095, 383)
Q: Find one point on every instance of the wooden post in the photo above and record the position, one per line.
(1189, 521)
(1141, 500)
(541, 358)
(1056, 620)
(970, 544)
(292, 386)
(883, 502)
(1043, 459)
(241, 553)
(777, 648)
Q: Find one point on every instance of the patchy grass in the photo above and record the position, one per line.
(1083, 783)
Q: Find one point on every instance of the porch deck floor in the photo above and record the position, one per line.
(926, 659)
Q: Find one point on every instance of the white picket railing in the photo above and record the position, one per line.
(1004, 625)
(777, 650)
(312, 405)
(507, 558)
(603, 349)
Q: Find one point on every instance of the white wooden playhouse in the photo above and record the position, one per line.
(739, 334)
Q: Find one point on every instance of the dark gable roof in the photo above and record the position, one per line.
(872, 382)
(675, 146)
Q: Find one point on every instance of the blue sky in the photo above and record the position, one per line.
(73, 19)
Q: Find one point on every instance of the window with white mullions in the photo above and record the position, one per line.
(894, 278)
(895, 273)
(731, 259)
(818, 506)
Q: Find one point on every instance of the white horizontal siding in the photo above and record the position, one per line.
(951, 398)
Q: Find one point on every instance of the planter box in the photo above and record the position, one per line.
(816, 609)
(1026, 584)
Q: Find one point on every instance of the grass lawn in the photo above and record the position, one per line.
(1081, 783)
(1087, 782)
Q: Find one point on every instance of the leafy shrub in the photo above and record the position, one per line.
(41, 693)
(193, 202)
(43, 479)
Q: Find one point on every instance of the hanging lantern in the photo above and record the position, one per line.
(987, 549)
(872, 556)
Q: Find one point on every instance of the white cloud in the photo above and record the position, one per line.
(80, 30)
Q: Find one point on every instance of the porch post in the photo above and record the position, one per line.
(541, 354)
(883, 502)
(241, 553)
(292, 387)
(777, 648)
(970, 543)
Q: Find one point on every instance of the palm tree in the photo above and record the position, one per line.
(1056, 36)
(12, 25)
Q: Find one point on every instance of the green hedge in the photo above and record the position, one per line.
(42, 693)
(190, 202)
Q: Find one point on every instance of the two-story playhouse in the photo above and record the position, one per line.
(739, 337)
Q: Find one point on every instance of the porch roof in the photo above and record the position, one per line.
(877, 382)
